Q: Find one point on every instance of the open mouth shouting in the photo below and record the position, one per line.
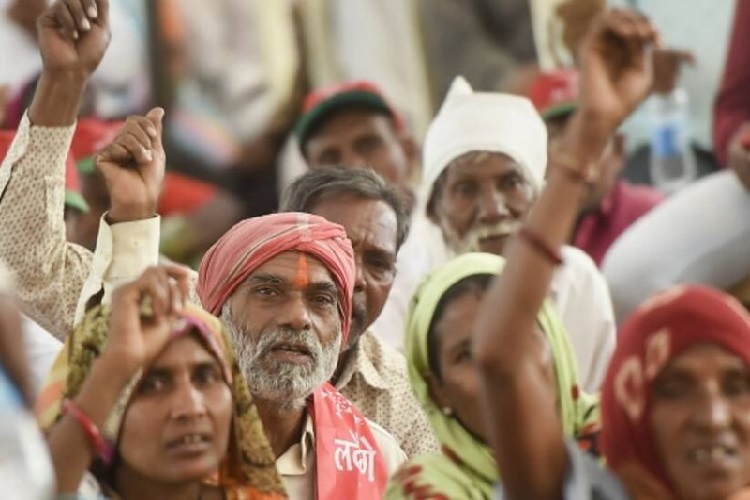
(292, 352)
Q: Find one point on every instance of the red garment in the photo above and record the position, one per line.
(183, 195)
(732, 106)
(656, 333)
(348, 460)
(625, 204)
(252, 242)
(92, 135)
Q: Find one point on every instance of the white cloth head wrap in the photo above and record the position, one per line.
(483, 121)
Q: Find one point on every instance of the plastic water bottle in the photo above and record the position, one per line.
(673, 164)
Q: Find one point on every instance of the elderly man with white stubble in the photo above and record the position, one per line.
(484, 161)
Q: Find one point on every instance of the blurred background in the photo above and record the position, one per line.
(233, 75)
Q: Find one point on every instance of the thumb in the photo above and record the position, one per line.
(156, 115)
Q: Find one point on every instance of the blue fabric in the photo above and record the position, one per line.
(10, 397)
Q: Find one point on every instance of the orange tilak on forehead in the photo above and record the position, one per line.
(301, 278)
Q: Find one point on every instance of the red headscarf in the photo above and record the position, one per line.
(656, 333)
(253, 242)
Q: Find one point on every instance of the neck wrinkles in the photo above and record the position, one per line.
(283, 426)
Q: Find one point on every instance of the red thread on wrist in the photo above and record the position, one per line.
(568, 166)
(540, 245)
(100, 446)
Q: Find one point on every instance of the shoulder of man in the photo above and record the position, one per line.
(389, 363)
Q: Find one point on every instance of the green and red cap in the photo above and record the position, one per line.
(555, 93)
(323, 102)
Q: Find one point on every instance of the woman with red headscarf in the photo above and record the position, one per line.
(676, 399)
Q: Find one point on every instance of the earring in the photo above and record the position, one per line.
(447, 411)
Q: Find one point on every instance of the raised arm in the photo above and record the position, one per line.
(133, 344)
(517, 393)
(133, 168)
(73, 35)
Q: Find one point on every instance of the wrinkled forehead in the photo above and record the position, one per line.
(293, 268)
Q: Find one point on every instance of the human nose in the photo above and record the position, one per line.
(492, 206)
(352, 158)
(295, 313)
(713, 412)
(188, 402)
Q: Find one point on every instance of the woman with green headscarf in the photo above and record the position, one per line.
(153, 404)
(445, 380)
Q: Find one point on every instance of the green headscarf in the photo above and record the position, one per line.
(578, 411)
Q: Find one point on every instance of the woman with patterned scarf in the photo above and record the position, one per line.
(676, 398)
(444, 378)
(154, 404)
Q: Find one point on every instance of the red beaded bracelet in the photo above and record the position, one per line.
(540, 245)
(101, 447)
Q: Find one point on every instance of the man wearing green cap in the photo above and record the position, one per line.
(353, 124)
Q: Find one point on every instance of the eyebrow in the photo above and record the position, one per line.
(324, 286)
(265, 279)
(166, 371)
(273, 279)
(380, 251)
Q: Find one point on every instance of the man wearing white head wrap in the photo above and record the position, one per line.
(466, 123)
(485, 157)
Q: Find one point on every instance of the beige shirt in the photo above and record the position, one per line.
(296, 466)
(49, 271)
(376, 381)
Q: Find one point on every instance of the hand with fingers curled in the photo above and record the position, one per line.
(135, 337)
(73, 36)
(615, 65)
(133, 168)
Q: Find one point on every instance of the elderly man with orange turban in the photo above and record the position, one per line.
(283, 286)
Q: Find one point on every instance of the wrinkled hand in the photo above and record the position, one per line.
(615, 68)
(667, 64)
(134, 338)
(739, 154)
(133, 168)
(73, 36)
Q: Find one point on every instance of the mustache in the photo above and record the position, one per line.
(305, 338)
(503, 228)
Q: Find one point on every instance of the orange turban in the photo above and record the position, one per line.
(253, 242)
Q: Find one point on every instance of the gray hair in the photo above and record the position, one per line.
(320, 183)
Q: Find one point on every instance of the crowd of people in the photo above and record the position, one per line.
(483, 307)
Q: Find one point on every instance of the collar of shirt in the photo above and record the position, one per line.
(360, 363)
(294, 461)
